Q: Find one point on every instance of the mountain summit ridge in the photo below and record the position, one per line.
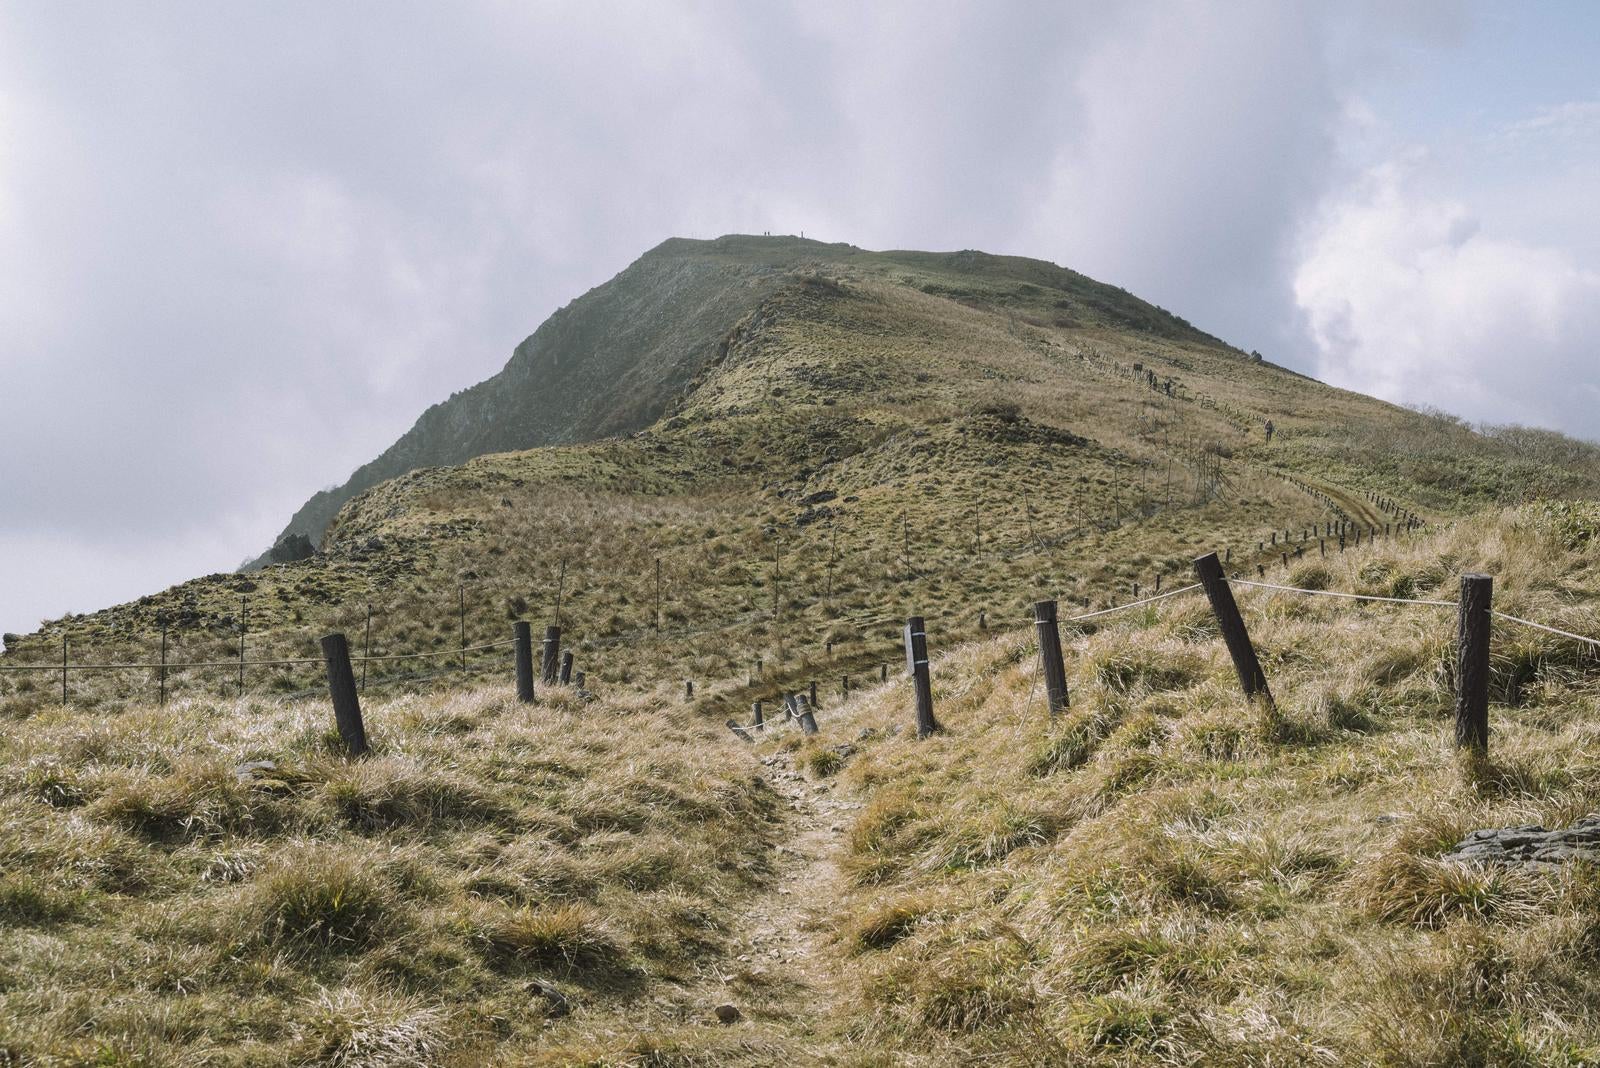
(615, 359)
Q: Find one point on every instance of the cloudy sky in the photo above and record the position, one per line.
(242, 246)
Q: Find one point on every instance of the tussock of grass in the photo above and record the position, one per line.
(566, 937)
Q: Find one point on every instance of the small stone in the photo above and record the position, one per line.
(254, 769)
(727, 1014)
(556, 1003)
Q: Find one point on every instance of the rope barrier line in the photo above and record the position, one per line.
(170, 665)
(176, 665)
(1130, 604)
(1343, 596)
(1541, 626)
(433, 653)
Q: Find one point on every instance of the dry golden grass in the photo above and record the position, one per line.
(1168, 874)
(159, 907)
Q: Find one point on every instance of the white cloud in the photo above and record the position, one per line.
(1410, 296)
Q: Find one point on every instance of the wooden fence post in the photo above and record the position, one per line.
(688, 689)
(244, 608)
(565, 675)
(917, 665)
(883, 672)
(523, 634)
(755, 708)
(366, 650)
(1055, 672)
(342, 689)
(1251, 678)
(844, 685)
(551, 652)
(811, 692)
(808, 720)
(1472, 663)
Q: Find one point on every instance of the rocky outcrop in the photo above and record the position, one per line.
(1531, 845)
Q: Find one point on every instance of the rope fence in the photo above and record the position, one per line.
(1343, 596)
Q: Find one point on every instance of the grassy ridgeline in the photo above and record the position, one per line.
(1167, 874)
(1164, 873)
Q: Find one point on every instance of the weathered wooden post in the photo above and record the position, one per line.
(244, 608)
(808, 720)
(844, 685)
(522, 633)
(811, 692)
(688, 689)
(63, 671)
(342, 689)
(883, 672)
(550, 654)
(1055, 672)
(917, 666)
(1251, 678)
(755, 708)
(163, 668)
(1472, 663)
(565, 675)
(366, 650)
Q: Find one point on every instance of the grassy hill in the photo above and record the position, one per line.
(825, 440)
(1162, 874)
(813, 442)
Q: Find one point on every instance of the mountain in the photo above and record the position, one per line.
(773, 449)
(612, 361)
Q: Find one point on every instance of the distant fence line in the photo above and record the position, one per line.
(163, 666)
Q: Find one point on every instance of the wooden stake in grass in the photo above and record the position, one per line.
(1251, 678)
(755, 709)
(342, 690)
(550, 652)
(366, 650)
(1472, 663)
(162, 675)
(1055, 672)
(808, 719)
(565, 676)
(917, 666)
(522, 635)
(244, 607)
